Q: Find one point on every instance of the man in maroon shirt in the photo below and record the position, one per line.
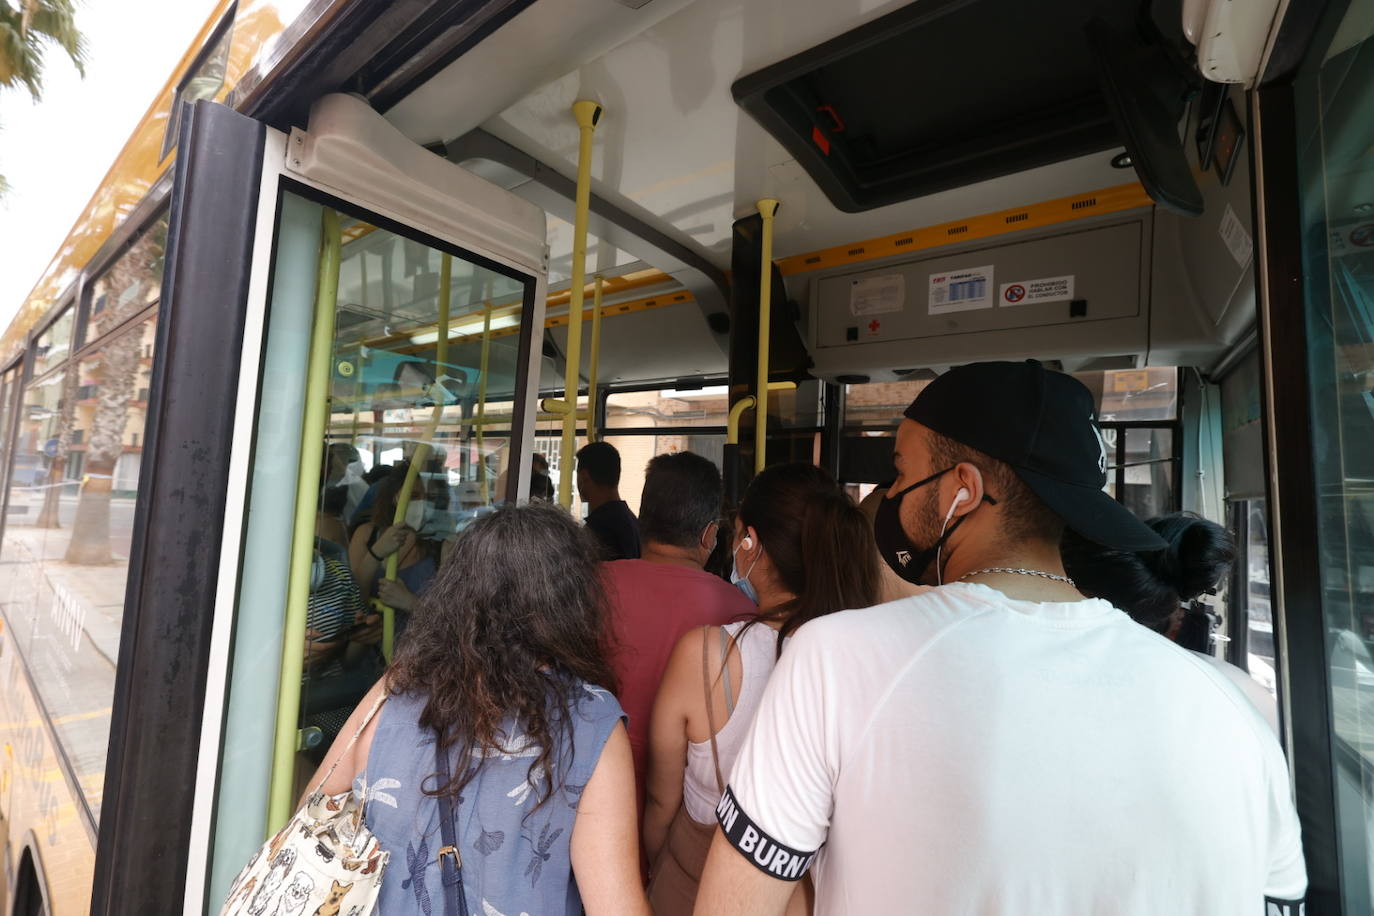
(665, 593)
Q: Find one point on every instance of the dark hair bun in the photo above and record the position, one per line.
(1152, 586)
(1199, 555)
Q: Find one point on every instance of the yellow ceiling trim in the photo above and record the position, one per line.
(1034, 216)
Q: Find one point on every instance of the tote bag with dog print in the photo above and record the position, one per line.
(324, 862)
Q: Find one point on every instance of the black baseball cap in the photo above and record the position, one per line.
(1044, 425)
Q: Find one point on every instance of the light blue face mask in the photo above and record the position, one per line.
(742, 582)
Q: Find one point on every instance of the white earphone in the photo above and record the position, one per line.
(960, 496)
(746, 543)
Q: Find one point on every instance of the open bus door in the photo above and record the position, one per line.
(337, 285)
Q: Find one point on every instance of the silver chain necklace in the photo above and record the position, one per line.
(1018, 572)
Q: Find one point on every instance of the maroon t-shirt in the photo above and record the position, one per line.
(652, 606)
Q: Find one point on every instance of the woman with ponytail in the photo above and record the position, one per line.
(802, 550)
(1163, 589)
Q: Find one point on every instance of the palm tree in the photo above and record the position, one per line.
(27, 29)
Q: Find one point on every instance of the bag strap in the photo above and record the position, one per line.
(710, 705)
(451, 879)
(367, 719)
(725, 671)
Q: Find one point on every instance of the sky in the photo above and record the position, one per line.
(55, 152)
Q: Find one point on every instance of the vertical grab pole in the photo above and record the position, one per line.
(316, 415)
(595, 360)
(587, 114)
(417, 460)
(768, 208)
(482, 405)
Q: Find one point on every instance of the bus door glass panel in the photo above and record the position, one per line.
(394, 399)
(1335, 131)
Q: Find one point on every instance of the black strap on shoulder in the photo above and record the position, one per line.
(450, 858)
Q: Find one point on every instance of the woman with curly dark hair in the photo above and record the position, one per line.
(499, 711)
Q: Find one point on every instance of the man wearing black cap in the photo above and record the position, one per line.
(1001, 744)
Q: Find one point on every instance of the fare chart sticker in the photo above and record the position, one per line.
(877, 295)
(961, 290)
(1029, 292)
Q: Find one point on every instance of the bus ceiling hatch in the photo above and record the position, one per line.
(539, 183)
(941, 94)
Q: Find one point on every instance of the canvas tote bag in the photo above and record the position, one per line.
(324, 861)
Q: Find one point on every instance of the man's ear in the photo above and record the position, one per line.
(966, 476)
(709, 535)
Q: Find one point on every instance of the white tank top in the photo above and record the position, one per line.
(758, 650)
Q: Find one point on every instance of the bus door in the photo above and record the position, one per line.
(354, 339)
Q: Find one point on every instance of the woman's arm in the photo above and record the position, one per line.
(367, 561)
(362, 564)
(680, 692)
(351, 760)
(605, 844)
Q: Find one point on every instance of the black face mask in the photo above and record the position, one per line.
(905, 558)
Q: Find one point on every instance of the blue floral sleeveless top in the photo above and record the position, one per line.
(516, 859)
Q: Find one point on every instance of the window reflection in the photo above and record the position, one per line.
(424, 368)
(55, 344)
(1334, 136)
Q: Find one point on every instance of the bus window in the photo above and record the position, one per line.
(1137, 409)
(54, 344)
(9, 391)
(71, 509)
(1335, 129)
(642, 424)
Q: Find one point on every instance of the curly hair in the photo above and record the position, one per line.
(511, 628)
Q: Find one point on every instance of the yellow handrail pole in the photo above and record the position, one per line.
(421, 455)
(587, 114)
(732, 423)
(482, 405)
(768, 208)
(280, 800)
(747, 403)
(595, 360)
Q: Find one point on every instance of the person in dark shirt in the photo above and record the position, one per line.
(608, 517)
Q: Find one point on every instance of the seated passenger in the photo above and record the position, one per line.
(417, 544)
(344, 469)
(541, 485)
(608, 517)
(1000, 744)
(656, 599)
(506, 667)
(1162, 589)
(328, 689)
(329, 524)
(806, 550)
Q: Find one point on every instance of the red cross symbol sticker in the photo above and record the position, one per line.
(873, 326)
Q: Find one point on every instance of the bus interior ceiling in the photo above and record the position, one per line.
(676, 153)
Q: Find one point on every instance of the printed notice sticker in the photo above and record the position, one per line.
(961, 290)
(1232, 232)
(877, 295)
(1029, 292)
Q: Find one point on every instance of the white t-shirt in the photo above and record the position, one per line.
(961, 752)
